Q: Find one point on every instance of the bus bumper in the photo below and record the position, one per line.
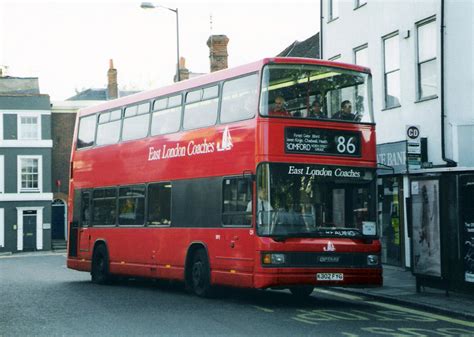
(281, 278)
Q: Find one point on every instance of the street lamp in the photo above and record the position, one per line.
(149, 5)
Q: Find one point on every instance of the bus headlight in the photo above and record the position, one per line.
(273, 258)
(372, 260)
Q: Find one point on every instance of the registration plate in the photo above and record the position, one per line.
(330, 276)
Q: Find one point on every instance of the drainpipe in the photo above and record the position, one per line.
(321, 29)
(449, 162)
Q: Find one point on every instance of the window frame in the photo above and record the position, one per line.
(237, 213)
(147, 203)
(221, 97)
(98, 123)
(93, 117)
(91, 210)
(386, 73)
(39, 189)
(137, 224)
(21, 128)
(2, 174)
(331, 5)
(167, 107)
(359, 3)
(427, 21)
(202, 99)
(136, 114)
(357, 49)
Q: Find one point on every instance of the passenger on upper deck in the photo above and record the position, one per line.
(345, 113)
(315, 110)
(279, 108)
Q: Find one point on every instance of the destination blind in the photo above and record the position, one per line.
(322, 141)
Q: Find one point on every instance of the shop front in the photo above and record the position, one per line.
(390, 183)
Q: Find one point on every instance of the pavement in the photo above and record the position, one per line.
(400, 288)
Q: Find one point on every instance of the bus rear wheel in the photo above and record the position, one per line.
(100, 266)
(301, 291)
(201, 274)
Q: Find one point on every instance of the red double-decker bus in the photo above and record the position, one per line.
(260, 176)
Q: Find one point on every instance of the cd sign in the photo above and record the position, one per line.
(413, 132)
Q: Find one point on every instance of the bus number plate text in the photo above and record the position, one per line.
(330, 276)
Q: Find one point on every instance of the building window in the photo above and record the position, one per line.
(427, 49)
(391, 70)
(360, 3)
(361, 56)
(2, 227)
(28, 127)
(29, 173)
(333, 9)
(2, 175)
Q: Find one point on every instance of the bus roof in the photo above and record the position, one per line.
(212, 78)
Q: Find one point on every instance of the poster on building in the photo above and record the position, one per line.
(426, 235)
(467, 223)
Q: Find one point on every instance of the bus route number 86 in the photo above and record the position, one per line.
(346, 145)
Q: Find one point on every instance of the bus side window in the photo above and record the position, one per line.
(85, 209)
(135, 121)
(103, 206)
(166, 115)
(159, 204)
(131, 205)
(237, 202)
(201, 107)
(108, 128)
(86, 135)
(239, 99)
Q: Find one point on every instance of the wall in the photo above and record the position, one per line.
(368, 24)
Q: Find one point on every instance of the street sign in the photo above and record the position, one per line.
(413, 147)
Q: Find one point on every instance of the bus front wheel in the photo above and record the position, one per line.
(100, 266)
(201, 274)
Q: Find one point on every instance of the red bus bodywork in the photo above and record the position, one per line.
(234, 253)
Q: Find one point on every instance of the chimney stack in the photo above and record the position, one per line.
(183, 72)
(218, 51)
(112, 86)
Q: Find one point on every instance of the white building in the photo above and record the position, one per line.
(421, 56)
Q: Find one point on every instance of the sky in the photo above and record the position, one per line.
(67, 44)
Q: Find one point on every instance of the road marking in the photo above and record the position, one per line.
(423, 313)
(263, 309)
(333, 293)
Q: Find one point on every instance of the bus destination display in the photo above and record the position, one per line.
(322, 141)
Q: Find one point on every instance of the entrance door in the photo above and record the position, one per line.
(29, 230)
(58, 220)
